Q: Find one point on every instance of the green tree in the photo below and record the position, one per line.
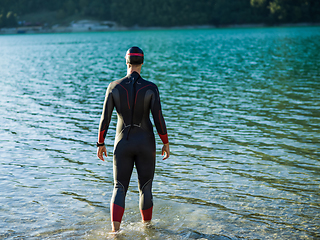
(2, 21)
(11, 20)
(70, 7)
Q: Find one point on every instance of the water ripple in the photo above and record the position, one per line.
(242, 111)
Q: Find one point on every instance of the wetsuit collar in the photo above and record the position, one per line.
(134, 74)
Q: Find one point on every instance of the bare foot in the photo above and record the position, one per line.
(115, 226)
(147, 224)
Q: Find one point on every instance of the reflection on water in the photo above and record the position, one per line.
(242, 109)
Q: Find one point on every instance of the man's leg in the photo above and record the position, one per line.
(123, 163)
(145, 164)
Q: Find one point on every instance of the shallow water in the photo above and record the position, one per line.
(242, 108)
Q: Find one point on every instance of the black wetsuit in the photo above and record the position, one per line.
(133, 98)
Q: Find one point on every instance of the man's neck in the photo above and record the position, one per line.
(130, 70)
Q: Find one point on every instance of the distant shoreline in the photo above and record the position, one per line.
(69, 29)
(262, 25)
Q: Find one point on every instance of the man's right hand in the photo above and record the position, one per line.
(100, 151)
(166, 151)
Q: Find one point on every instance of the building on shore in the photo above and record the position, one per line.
(88, 25)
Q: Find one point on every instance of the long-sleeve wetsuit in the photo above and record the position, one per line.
(133, 98)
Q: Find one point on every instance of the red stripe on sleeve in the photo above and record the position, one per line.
(100, 137)
(164, 138)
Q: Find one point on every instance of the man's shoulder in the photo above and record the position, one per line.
(123, 81)
(117, 82)
(148, 83)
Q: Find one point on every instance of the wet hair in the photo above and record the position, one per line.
(134, 56)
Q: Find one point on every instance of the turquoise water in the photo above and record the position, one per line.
(242, 108)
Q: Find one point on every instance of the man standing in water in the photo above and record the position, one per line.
(134, 98)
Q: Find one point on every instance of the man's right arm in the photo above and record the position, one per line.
(160, 123)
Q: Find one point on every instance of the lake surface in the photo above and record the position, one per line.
(242, 108)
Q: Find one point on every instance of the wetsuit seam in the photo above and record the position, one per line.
(127, 94)
(145, 184)
(138, 92)
(117, 181)
(122, 130)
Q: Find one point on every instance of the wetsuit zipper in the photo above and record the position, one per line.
(133, 101)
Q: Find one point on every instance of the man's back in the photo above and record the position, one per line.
(133, 97)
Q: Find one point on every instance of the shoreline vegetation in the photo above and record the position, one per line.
(50, 16)
(108, 26)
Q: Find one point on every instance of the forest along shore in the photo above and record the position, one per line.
(28, 16)
(105, 26)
